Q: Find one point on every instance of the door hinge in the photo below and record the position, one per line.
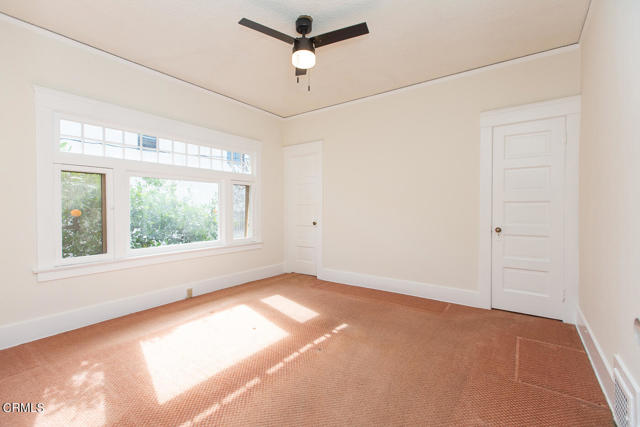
(564, 295)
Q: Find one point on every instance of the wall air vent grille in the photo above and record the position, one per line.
(625, 411)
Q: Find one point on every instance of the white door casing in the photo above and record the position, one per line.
(303, 207)
(528, 217)
(564, 108)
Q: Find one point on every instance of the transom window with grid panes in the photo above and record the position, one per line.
(93, 140)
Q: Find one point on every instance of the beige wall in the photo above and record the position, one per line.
(610, 178)
(401, 171)
(33, 58)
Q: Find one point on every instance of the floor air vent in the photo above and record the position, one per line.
(625, 400)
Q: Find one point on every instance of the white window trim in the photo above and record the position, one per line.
(51, 106)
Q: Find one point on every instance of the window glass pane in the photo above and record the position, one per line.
(70, 128)
(193, 149)
(165, 145)
(93, 148)
(205, 162)
(92, 132)
(192, 161)
(165, 158)
(178, 147)
(179, 159)
(149, 142)
(171, 212)
(70, 145)
(83, 214)
(246, 163)
(113, 135)
(227, 161)
(132, 153)
(131, 138)
(113, 150)
(149, 156)
(241, 225)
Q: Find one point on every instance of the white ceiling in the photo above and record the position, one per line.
(410, 41)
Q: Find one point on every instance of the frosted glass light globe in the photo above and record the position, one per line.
(303, 59)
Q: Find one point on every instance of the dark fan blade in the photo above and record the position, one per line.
(266, 30)
(339, 35)
(300, 72)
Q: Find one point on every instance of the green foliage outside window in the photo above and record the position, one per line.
(169, 212)
(82, 214)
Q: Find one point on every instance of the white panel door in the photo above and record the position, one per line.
(528, 217)
(303, 207)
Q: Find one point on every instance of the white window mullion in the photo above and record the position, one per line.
(256, 196)
(121, 213)
(255, 226)
(227, 207)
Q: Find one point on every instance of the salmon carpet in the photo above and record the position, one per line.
(296, 351)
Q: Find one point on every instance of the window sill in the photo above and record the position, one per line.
(62, 272)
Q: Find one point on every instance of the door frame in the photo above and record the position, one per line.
(286, 151)
(569, 109)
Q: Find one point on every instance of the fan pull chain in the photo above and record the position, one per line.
(309, 80)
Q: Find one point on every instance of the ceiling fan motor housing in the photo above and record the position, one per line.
(303, 24)
(302, 43)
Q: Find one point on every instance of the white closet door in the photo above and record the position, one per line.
(528, 203)
(303, 207)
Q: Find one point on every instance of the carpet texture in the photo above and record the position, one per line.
(296, 351)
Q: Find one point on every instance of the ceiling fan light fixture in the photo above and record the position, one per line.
(303, 56)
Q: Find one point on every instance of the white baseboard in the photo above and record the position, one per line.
(406, 287)
(21, 332)
(601, 366)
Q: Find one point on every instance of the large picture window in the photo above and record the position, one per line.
(130, 188)
(165, 212)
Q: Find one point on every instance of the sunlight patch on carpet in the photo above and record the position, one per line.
(296, 311)
(79, 402)
(195, 351)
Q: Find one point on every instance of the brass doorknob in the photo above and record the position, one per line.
(498, 230)
(315, 223)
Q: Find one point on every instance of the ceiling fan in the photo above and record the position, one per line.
(303, 57)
